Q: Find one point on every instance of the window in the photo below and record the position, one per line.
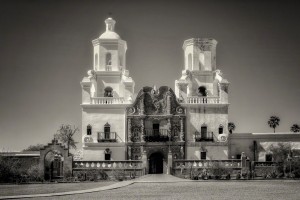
(89, 130)
(108, 59)
(204, 131)
(189, 61)
(203, 155)
(108, 92)
(202, 91)
(96, 59)
(238, 156)
(107, 131)
(107, 154)
(220, 129)
(269, 157)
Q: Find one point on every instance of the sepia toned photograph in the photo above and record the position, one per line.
(149, 99)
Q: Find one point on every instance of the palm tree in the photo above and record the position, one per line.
(274, 122)
(295, 128)
(65, 135)
(231, 127)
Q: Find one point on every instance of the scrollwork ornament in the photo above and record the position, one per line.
(179, 110)
(131, 110)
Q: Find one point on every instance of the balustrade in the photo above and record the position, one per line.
(265, 164)
(203, 100)
(107, 100)
(108, 164)
(183, 164)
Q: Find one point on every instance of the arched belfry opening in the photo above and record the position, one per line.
(156, 163)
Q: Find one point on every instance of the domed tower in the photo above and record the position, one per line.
(106, 92)
(204, 93)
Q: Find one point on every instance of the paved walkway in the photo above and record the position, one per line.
(151, 178)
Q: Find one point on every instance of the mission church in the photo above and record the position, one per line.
(159, 125)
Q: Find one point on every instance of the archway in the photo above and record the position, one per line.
(55, 161)
(53, 164)
(156, 163)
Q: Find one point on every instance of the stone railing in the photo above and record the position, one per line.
(108, 68)
(203, 100)
(187, 164)
(108, 164)
(265, 164)
(107, 100)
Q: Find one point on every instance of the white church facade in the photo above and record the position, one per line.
(190, 123)
(157, 125)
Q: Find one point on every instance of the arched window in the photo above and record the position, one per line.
(189, 61)
(269, 157)
(96, 59)
(89, 130)
(107, 131)
(202, 91)
(221, 129)
(108, 59)
(108, 92)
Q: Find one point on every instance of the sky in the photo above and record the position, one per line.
(46, 50)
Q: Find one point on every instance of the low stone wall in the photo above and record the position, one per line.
(112, 169)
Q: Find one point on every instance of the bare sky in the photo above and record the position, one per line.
(46, 49)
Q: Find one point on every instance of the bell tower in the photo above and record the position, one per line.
(109, 50)
(106, 92)
(204, 93)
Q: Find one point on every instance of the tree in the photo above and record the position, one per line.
(36, 147)
(231, 127)
(295, 128)
(274, 122)
(65, 135)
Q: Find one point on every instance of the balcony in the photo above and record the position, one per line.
(107, 137)
(203, 100)
(107, 100)
(204, 137)
(153, 135)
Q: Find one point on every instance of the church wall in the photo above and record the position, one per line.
(213, 152)
(98, 153)
(110, 81)
(212, 117)
(98, 117)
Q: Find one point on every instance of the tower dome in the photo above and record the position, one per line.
(109, 33)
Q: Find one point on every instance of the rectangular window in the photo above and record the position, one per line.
(204, 132)
(238, 156)
(203, 155)
(107, 132)
(269, 158)
(107, 156)
(220, 130)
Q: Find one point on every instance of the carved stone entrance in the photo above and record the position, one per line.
(156, 165)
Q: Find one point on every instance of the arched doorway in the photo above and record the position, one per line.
(53, 165)
(156, 163)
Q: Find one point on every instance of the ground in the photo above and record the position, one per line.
(169, 187)
(7, 190)
(199, 190)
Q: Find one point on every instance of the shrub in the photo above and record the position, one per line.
(33, 173)
(119, 175)
(10, 170)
